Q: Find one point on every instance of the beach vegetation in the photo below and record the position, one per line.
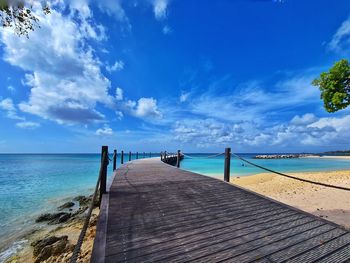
(19, 15)
(335, 86)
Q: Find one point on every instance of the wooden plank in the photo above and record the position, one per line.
(303, 247)
(158, 213)
(325, 250)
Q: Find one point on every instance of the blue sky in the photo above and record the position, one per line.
(148, 75)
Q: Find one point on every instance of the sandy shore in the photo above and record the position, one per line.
(331, 204)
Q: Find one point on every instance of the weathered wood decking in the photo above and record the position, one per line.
(158, 213)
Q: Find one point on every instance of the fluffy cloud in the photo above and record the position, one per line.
(105, 131)
(160, 9)
(303, 120)
(28, 125)
(184, 96)
(119, 115)
(8, 106)
(118, 65)
(302, 131)
(144, 108)
(65, 78)
(118, 94)
(115, 10)
(203, 132)
(341, 39)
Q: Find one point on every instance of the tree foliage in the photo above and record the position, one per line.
(335, 86)
(19, 15)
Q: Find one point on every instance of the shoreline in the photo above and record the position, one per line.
(53, 236)
(328, 203)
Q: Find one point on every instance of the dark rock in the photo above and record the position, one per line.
(66, 205)
(55, 218)
(81, 210)
(83, 200)
(38, 245)
(43, 217)
(64, 218)
(60, 218)
(57, 247)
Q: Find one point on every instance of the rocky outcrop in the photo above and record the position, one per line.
(59, 249)
(55, 218)
(281, 156)
(50, 246)
(66, 205)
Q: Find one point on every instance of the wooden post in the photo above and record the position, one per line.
(104, 163)
(129, 156)
(227, 164)
(122, 157)
(137, 155)
(178, 159)
(115, 160)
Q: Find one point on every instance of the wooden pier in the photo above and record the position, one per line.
(154, 212)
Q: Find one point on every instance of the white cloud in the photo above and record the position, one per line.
(301, 132)
(8, 106)
(115, 10)
(184, 96)
(118, 94)
(117, 66)
(160, 9)
(341, 39)
(66, 81)
(305, 119)
(251, 101)
(11, 89)
(28, 125)
(144, 108)
(119, 115)
(105, 131)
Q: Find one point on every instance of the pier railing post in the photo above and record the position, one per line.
(122, 157)
(227, 164)
(178, 159)
(129, 156)
(115, 160)
(104, 163)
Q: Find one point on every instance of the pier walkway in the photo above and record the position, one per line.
(154, 212)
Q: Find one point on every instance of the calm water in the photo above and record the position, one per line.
(31, 184)
(37, 183)
(215, 166)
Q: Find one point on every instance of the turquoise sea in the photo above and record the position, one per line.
(31, 184)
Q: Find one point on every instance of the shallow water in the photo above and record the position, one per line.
(215, 166)
(31, 184)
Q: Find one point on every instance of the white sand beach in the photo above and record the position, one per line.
(328, 203)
